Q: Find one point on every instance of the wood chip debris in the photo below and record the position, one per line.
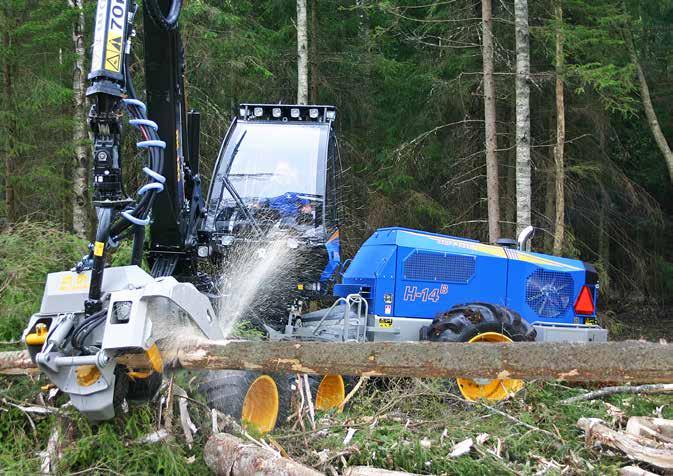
(462, 448)
(154, 437)
(349, 436)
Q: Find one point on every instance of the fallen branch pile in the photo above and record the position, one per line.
(628, 361)
(645, 439)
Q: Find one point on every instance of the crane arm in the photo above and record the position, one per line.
(171, 192)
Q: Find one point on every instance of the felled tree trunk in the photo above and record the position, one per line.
(628, 361)
(16, 363)
(227, 455)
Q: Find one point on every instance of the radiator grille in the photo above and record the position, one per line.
(440, 267)
(549, 293)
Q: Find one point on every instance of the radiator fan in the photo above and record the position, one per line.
(549, 293)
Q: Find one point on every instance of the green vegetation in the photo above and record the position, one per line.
(28, 251)
(403, 424)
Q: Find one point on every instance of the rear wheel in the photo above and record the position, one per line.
(258, 401)
(482, 322)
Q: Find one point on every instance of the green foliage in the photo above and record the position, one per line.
(28, 251)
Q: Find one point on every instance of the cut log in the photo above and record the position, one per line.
(635, 447)
(227, 455)
(628, 361)
(16, 363)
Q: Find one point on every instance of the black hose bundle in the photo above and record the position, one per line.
(168, 22)
(86, 327)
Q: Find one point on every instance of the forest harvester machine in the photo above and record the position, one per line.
(276, 179)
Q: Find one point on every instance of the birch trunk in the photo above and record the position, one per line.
(302, 54)
(559, 220)
(523, 187)
(651, 115)
(314, 52)
(80, 201)
(492, 180)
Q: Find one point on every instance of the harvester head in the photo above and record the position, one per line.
(82, 355)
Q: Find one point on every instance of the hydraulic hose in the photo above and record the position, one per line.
(168, 22)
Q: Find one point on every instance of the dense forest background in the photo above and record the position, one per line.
(406, 77)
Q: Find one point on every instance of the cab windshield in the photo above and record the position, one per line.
(277, 169)
(275, 159)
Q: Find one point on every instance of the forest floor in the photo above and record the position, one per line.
(404, 424)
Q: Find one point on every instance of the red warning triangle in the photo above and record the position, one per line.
(585, 302)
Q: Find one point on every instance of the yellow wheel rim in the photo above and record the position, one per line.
(261, 405)
(496, 389)
(331, 392)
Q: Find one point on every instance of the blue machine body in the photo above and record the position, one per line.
(416, 274)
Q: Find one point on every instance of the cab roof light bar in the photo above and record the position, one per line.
(286, 112)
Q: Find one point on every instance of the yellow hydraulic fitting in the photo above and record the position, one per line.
(39, 336)
(87, 375)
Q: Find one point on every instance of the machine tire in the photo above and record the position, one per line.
(463, 322)
(483, 322)
(144, 388)
(226, 391)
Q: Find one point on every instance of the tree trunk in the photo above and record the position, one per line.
(10, 199)
(302, 54)
(80, 199)
(625, 361)
(651, 115)
(604, 216)
(559, 220)
(550, 198)
(523, 180)
(492, 180)
(314, 52)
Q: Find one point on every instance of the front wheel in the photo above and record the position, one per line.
(482, 322)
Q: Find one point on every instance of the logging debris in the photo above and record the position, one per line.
(645, 439)
(606, 391)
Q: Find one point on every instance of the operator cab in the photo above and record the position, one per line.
(276, 169)
(276, 179)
